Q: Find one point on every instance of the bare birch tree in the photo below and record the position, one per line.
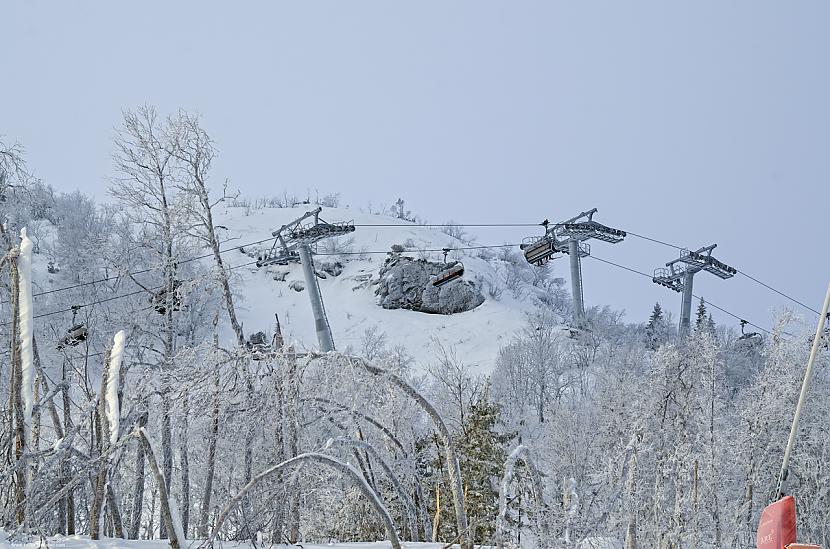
(145, 160)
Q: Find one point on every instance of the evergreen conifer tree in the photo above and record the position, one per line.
(655, 329)
(700, 317)
(482, 455)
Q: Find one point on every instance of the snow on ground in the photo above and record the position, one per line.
(474, 335)
(83, 542)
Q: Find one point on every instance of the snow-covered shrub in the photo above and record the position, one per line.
(451, 228)
(330, 200)
(329, 266)
(493, 288)
(297, 285)
(336, 245)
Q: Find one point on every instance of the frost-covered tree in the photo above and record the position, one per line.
(146, 184)
(529, 375)
(194, 152)
(700, 315)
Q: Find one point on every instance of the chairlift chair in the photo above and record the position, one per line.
(74, 335)
(538, 252)
(259, 347)
(449, 273)
(748, 342)
(270, 258)
(825, 337)
(159, 300)
(744, 335)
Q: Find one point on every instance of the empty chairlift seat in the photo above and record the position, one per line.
(539, 252)
(448, 275)
(159, 300)
(74, 335)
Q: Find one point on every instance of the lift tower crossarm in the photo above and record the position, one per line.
(679, 276)
(283, 252)
(290, 236)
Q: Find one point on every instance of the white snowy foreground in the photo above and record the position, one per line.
(83, 542)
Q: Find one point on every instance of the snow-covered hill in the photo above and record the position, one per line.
(350, 302)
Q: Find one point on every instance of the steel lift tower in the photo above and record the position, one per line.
(293, 245)
(569, 237)
(678, 275)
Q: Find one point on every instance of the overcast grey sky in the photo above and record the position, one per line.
(694, 122)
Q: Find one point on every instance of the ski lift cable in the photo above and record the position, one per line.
(416, 250)
(747, 275)
(113, 298)
(448, 224)
(634, 234)
(132, 312)
(721, 309)
(655, 240)
(637, 235)
(54, 290)
(142, 271)
(779, 292)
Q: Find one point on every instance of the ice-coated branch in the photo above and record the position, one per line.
(627, 458)
(521, 452)
(166, 511)
(412, 512)
(24, 269)
(385, 430)
(453, 467)
(111, 401)
(81, 476)
(321, 459)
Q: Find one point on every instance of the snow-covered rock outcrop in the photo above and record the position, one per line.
(406, 283)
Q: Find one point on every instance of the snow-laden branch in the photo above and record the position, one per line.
(453, 467)
(412, 511)
(356, 413)
(83, 471)
(111, 400)
(24, 269)
(520, 453)
(626, 462)
(166, 511)
(322, 459)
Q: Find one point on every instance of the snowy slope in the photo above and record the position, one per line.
(475, 335)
